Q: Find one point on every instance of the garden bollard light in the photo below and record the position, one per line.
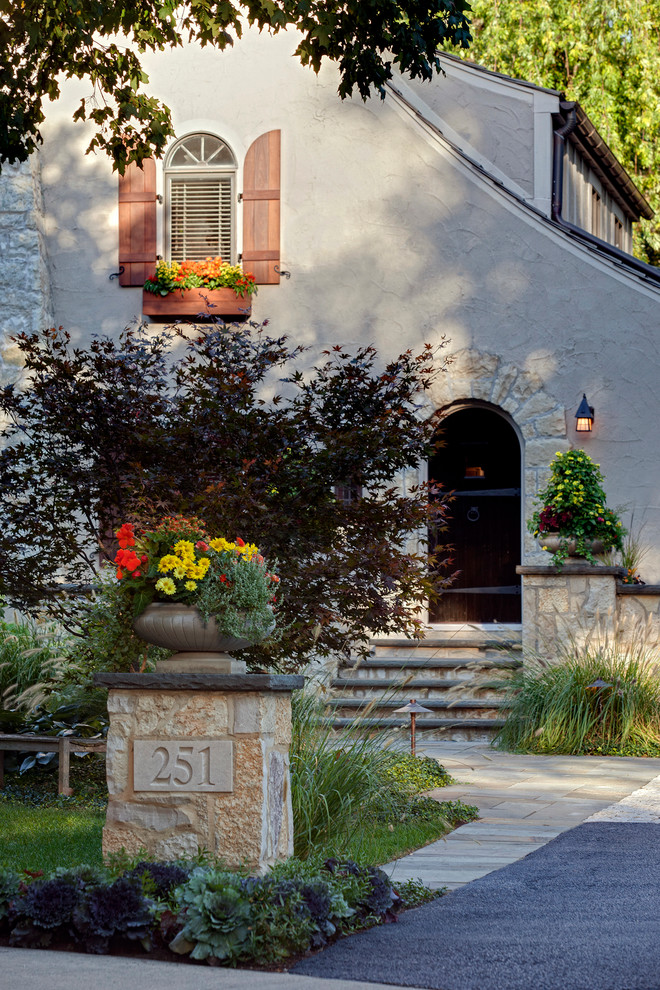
(414, 709)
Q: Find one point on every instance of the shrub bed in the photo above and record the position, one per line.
(200, 911)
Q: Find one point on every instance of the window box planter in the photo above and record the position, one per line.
(193, 302)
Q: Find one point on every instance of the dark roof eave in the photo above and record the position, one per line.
(608, 168)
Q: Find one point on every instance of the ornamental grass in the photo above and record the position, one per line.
(601, 699)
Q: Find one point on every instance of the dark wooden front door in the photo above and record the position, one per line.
(480, 463)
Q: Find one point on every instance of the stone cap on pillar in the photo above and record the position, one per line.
(598, 570)
(200, 682)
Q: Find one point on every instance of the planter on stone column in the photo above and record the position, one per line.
(201, 645)
(552, 542)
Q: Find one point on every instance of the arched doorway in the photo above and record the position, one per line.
(481, 464)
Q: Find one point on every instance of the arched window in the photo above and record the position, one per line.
(200, 193)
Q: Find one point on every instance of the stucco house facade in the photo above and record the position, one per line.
(476, 207)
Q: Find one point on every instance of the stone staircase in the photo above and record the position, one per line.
(460, 676)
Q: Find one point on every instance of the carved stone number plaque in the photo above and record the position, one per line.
(183, 765)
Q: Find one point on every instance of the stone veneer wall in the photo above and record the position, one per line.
(638, 612)
(566, 605)
(251, 824)
(581, 602)
(26, 304)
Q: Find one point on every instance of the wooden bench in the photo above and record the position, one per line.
(63, 745)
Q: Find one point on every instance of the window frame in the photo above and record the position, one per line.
(199, 173)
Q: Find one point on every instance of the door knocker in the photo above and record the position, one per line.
(473, 514)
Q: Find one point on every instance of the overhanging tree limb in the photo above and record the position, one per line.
(103, 43)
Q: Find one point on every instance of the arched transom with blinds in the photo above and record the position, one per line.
(200, 178)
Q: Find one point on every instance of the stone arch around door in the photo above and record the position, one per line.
(474, 377)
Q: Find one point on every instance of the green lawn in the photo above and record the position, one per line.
(45, 838)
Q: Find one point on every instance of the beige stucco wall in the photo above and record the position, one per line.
(390, 238)
(495, 117)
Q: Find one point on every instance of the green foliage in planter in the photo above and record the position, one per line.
(225, 423)
(603, 698)
(572, 504)
(213, 273)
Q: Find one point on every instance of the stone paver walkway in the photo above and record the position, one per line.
(523, 801)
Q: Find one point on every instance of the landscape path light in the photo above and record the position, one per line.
(414, 710)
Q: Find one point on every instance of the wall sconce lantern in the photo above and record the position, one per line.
(584, 416)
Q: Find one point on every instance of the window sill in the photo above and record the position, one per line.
(197, 302)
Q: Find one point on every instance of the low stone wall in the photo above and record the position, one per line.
(638, 611)
(579, 601)
(200, 762)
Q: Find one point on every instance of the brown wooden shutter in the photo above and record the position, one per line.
(137, 223)
(261, 209)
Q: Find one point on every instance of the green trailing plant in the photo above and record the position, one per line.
(105, 640)
(572, 505)
(600, 698)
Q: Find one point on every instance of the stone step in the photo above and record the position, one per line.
(459, 675)
(380, 669)
(474, 706)
(428, 647)
(417, 687)
(454, 729)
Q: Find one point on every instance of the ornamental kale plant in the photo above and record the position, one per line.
(212, 914)
(119, 908)
(217, 915)
(572, 504)
(225, 423)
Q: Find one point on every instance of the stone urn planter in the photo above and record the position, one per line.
(552, 542)
(201, 646)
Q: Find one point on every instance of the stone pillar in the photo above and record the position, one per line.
(200, 762)
(567, 604)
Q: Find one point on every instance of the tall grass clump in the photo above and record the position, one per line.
(601, 698)
(332, 776)
(32, 661)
